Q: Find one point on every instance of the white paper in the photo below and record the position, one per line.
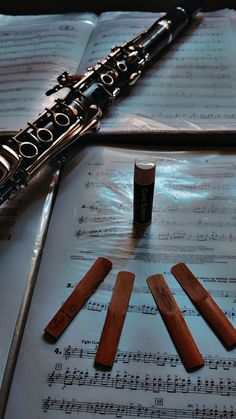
(193, 222)
(34, 51)
(22, 222)
(191, 86)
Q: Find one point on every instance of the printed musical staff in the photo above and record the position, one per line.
(212, 209)
(133, 410)
(160, 222)
(155, 384)
(176, 291)
(156, 358)
(169, 236)
(97, 183)
(150, 309)
(32, 54)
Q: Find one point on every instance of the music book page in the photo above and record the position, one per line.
(22, 226)
(190, 87)
(193, 222)
(34, 51)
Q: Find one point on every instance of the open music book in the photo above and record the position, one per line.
(191, 87)
(193, 222)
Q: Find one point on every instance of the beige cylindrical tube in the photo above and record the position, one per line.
(144, 182)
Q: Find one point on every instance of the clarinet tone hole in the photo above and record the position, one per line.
(5, 169)
(44, 135)
(107, 79)
(122, 66)
(62, 119)
(28, 150)
(9, 161)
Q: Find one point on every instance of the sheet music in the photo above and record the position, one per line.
(194, 222)
(21, 225)
(192, 86)
(34, 51)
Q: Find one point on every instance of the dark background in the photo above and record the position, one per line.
(96, 6)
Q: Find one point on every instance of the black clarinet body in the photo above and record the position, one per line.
(80, 112)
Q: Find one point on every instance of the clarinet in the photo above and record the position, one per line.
(79, 113)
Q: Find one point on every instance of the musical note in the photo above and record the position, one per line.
(212, 209)
(149, 309)
(126, 357)
(167, 236)
(175, 291)
(28, 60)
(119, 410)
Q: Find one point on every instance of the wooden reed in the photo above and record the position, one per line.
(175, 323)
(114, 321)
(205, 304)
(78, 297)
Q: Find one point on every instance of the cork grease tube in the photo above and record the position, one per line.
(144, 181)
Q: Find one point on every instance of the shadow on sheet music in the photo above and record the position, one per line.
(22, 214)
